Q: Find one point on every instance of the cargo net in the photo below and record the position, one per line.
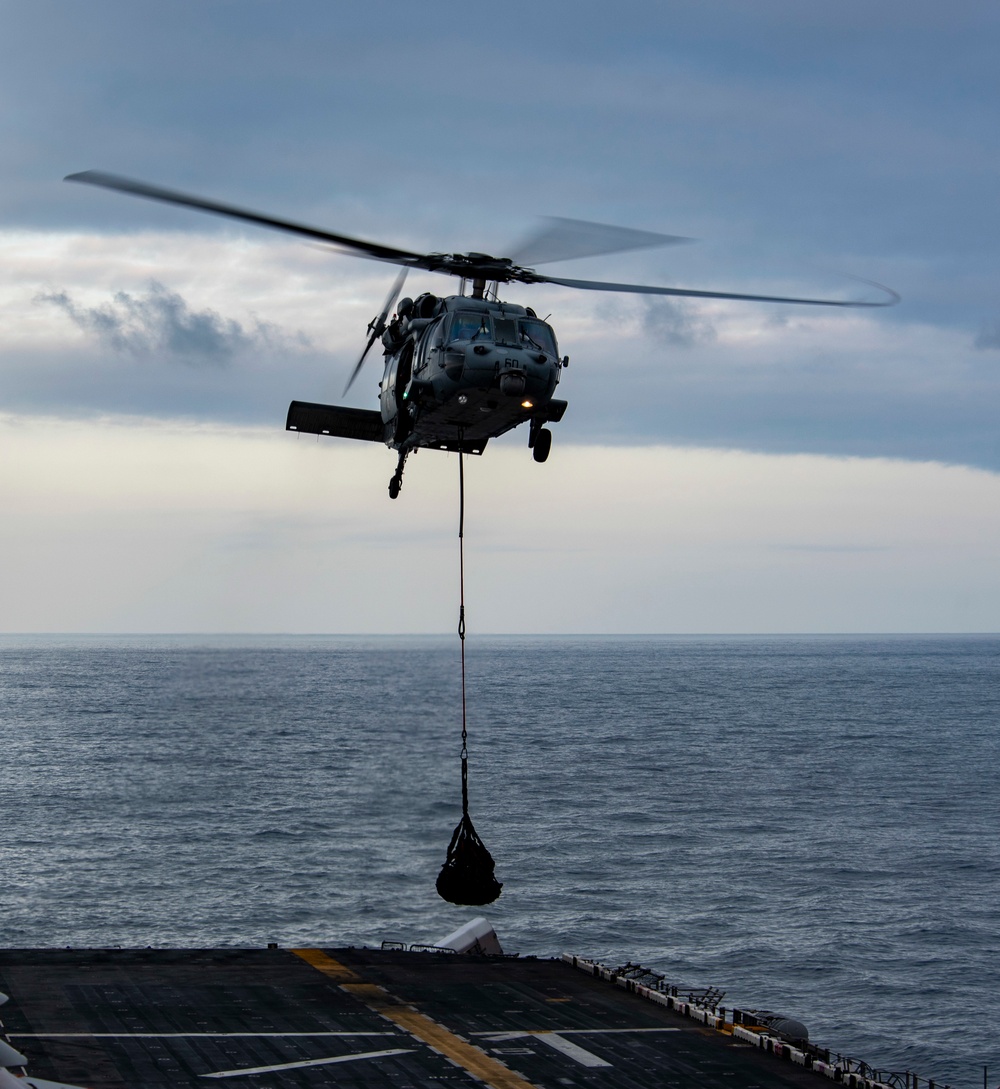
(466, 878)
(467, 875)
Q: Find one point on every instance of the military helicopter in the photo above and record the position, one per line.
(461, 369)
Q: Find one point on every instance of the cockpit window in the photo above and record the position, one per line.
(536, 334)
(466, 325)
(505, 331)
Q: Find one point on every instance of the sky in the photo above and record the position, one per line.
(722, 466)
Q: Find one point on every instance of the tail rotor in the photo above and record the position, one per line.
(377, 326)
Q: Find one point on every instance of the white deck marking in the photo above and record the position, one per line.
(571, 1050)
(246, 1071)
(554, 1038)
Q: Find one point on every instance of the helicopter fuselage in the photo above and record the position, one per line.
(458, 371)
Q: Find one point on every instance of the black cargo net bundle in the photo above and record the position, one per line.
(467, 874)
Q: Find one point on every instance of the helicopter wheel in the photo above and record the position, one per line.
(542, 444)
(397, 477)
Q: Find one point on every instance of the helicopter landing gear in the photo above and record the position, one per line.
(542, 445)
(397, 480)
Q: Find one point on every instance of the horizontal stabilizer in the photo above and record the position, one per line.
(345, 423)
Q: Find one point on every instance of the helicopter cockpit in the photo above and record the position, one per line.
(535, 333)
(519, 332)
(470, 325)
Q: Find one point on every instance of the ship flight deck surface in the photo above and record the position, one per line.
(371, 1019)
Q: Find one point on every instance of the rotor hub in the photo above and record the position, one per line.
(474, 266)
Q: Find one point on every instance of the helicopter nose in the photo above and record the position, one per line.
(512, 385)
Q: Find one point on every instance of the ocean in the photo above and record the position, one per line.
(809, 823)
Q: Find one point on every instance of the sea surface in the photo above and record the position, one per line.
(810, 823)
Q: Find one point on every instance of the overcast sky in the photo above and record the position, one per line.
(721, 467)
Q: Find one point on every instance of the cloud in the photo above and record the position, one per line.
(161, 323)
(677, 323)
(284, 321)
(142, 525)
(988, 338)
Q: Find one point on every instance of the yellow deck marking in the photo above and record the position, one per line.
(327, 965)
(469, 1057)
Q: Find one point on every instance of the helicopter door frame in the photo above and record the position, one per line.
(432, 340)
(399, 379)
(387, 395)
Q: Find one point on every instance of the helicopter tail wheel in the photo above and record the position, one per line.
(542, 445)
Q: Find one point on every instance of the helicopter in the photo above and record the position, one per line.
(461, 369)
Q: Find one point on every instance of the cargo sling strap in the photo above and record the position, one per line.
(467, 874)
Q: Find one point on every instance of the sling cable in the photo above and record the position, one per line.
(467, 875)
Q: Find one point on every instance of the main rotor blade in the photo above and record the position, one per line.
(377, 327)
(171, 196)
(563, 239)
(687, 292)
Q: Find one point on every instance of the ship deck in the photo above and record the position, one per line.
(371, 1019)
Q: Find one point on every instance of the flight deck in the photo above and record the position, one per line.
(371, 1019)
